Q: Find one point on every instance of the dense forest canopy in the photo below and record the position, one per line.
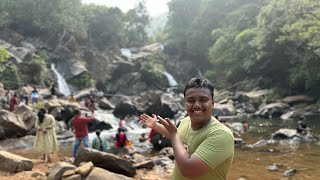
(99, 24)
(251, 43)
(261, 43)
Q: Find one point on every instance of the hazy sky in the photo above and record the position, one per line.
(155, 7)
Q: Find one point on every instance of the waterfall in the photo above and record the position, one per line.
(171, 80)
(62, 84)
(126, 52)
(133, 133)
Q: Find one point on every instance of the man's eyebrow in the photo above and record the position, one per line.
(189, 97)
(204, 97)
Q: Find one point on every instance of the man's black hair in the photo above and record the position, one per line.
(98, 132)
(76, 111)
(199, 82)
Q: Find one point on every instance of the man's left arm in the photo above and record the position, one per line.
(190, 166)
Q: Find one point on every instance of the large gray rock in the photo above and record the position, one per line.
(148, 164)
(19, 54)
(284, 134)
(272, 110)
(292, 100)
(11, 125)
(224, 109)
(105, 104)
(165, 105)
(291, 115)
(58, 170)
(126, 107)
(102, 174)
(14, 163)
(129, 84)
(106, 161)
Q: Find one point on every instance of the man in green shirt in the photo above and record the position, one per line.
(203, 147)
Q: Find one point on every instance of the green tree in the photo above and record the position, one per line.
(4, 55)
(35, 16)
(36, 71)
(287, 51)
(135, 26)
(10, 77)
(104, 25)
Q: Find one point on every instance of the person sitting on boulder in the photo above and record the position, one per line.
(121, 138)
(99, 143)
(302, 126)
(53, 90)
(143, 137)
(72, 99)
(245, 126)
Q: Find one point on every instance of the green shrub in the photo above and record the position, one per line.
(10, 77)
(81, 81)
(39, 105)
(152, 73)
(4, 55)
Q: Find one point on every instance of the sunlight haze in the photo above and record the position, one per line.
(155, 7)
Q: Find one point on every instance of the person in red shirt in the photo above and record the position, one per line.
(80, 129)
(89, 104)
(152, 132)
(121, 138)
(14, 103)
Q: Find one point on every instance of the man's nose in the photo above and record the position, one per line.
(197, 103)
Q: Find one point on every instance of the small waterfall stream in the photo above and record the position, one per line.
(134, 129)
(62, 84)
(171, 80)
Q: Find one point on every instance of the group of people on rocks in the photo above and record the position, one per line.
(14, 99)
(203, 146)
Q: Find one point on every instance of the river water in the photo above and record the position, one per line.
(248, 163)
(252, 163)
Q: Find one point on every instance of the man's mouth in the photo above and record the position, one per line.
(197, 112)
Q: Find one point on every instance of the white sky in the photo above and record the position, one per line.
(155, 7)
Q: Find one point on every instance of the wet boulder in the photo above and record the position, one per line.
(14, 163)
(99, 173)
(106, 161)
(272, 110)
(11, 124)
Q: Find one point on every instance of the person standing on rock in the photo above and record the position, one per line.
(203, 147)
(34, 96)
(99, 143)
(46, 139)
(8, 96)
(89, 104)
(13, 103)
(80, 129)
(24, 94)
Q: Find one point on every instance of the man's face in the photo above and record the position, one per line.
(199, 104)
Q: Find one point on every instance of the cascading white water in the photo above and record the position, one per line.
(126, 52)
(171, 80)
(62, 84)
(134, 129)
